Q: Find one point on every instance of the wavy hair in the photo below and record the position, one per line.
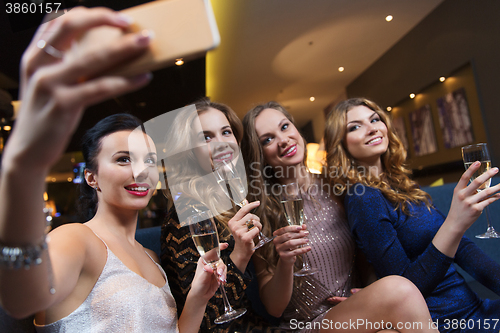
(343, 170)
(185, 168)
(261, 179)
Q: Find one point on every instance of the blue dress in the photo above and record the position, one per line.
(400, 244)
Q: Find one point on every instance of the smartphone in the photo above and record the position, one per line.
(182, 29)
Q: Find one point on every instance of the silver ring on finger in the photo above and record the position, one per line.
(49, 49)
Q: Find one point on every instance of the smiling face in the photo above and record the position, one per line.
(213, 132)
(281, 142)
(126, 170)
(366, 139)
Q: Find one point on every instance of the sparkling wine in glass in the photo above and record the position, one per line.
(294, 212)
(230, 182)
(479, 152)
(204, 234)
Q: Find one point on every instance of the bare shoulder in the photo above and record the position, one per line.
(73, 235)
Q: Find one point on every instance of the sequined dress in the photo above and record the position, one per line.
(179, 257)
(121, 301)
(332, 252)
(400, 244)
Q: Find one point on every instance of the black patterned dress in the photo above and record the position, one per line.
(179, 257)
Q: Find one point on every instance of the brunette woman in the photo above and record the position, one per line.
(274, 152)
(396, 225)
(91, 277)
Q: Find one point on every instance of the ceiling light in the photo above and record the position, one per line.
(7, 128)
(388, 18)
(412, 95)
(70, 179)
(341, 69)
(442, 78)
(312, 98)
(389, 109)
(179, 61)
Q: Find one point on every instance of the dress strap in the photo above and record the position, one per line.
(99, 237)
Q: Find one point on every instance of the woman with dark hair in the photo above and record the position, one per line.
(396, 225)
(91, 277)
(275, 153)
(213, 127)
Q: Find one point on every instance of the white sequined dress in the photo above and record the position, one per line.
(121, 301)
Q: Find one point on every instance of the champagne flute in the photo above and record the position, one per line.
(294, 212)
(205, 237)
(230, 182)
(479, 152)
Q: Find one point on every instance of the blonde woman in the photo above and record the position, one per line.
(396, 225)
(211, 132)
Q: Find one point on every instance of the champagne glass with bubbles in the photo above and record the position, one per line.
(479, 152)
(294, 212)
(205, 237)
(231, 183)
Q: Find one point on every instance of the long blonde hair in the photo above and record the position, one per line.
(343, 170)
(261, 179)
(184, 167)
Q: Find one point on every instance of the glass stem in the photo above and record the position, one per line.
(227, 306)
(488, 218)
(305, 263)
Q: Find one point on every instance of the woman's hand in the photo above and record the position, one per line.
(337, 299)
(287, 241)
(244, 227)
(205, 281)
(203, 287)
(466, 206)
(468, 203)
(54, 91)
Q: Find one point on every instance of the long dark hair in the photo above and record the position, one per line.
(91, 146)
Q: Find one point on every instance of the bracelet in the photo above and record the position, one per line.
(17, 257)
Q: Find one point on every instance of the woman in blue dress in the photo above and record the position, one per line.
(396, 225)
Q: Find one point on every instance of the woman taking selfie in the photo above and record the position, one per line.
(91, 277)
(396, 225)
(274, 153)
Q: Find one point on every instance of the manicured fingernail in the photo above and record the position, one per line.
(495, 169)
(477, 163)
(306, 233)
(122, 18)
(205, 269)
(144, 37)
(299, 228)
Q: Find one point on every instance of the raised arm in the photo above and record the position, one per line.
(466, 206)
(54, 93)
(380, 231)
